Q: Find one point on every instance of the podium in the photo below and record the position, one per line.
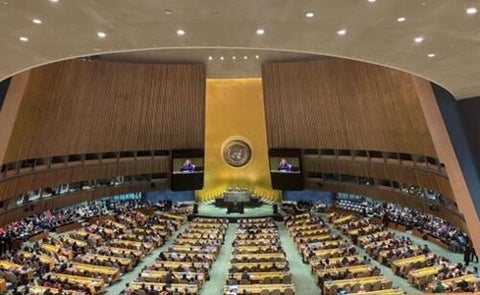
(235, 207)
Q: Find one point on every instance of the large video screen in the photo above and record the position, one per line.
(286, 169)
(187, 170)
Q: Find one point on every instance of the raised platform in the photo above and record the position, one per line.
(211, 211)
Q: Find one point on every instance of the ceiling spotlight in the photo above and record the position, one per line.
(431, 55)
(168, 12)
(371, 1)
(401, 19)
(418, 40)
(260, 31)
(471, 10)
(309, 14)
(234, 57)
(257, 57)
(101, 35)
(245, 57)
(341, 32)
(210, 58)
(23, 39)
(37, 21)
(222, 58)
(180, 32)
(54, 1)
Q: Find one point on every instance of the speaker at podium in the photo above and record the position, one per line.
(195, 208)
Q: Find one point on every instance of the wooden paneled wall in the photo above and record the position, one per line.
(343, 104)
(75, 198)
(14, 186)
(393, 197)
(405, 174)
(77, 107)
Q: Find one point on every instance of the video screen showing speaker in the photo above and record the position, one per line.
(286, 169)
(187, 170)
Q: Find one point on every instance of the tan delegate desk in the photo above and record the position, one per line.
(258, 277)
(323, 253)
(385, 292)
(132, 245)
(264, 231)
(354, 269)
(3, 285)
(257, 288)
(449, 282)
(158, 275)
(379, 236)
(198, 242)
(256, 249)
(373, 245)
(113, 273)
(198, 249)
(367, 229)
(318, 238)
(115, 224)
(255, 236)
(125, 262)
(171, 265)
(122, 251)
(83, 233)
(43, 259)
(57, 250)
(193, 289)
(92, 283)
(263, 256)
(182, 256)
(416, 274)
(71, 241)
(382, 255)
(397, 264)
(342, 220)
(180, 218)
(333, 260)
(362, 281)
(41, 290)
(157, 240)
(255, 265)
(258, 242)
(308, 227)
(7, 265)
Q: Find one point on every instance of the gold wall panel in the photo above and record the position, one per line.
(235, 110)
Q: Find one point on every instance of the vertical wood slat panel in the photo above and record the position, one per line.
(76, 107)
(343, 104)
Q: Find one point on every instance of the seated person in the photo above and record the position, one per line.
(187, 166)
(284, 166)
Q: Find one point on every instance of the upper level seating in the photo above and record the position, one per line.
(258, 264)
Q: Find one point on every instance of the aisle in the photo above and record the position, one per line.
(302, 278)
(131, 276)
(219, 271)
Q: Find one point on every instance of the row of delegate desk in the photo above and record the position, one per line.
(184, 267)
(334, 262)
(408, 260)
(258, 263)
(86, 262)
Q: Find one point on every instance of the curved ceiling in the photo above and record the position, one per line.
(373, 32)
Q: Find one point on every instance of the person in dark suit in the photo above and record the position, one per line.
(187, 166)
(284, 166)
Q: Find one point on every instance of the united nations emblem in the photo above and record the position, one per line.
(237, 153)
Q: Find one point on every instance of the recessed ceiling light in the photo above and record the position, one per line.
(53, 0)
(180, 32)
(5, 3)
(23, 39)
(431, 55)
(245, 57)
(371, 1)
(222, 58)
(418, 39)
(168, 11)
(309, 14)
(210, 58)
(234, 57)
(257, 57)
(37, 21)
(471, 10)
(260, 31)
(341, 32)
(101, 35)
(401, 19)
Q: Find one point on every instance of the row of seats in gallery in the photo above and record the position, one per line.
(334, 262)
(258, 263)
(417, 264)
(89, 259)
(184, 267)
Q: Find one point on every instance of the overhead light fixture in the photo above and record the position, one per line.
(168, 12)
(210, 58)
(245, 57)
(234, 57)
(471, 10)
(401, 19)
(260, 31)
(180, 32)
(371, 1)
(101, 35)
(222, 58)
(23, 39)
(431, 55)
(309, 14)
(341, 32)
(37, 21)
(54, 1)
(418, 40)
(257, 57)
